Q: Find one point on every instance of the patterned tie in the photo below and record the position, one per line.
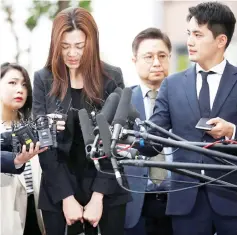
(152, 98)
(157, 175)
(204, 95)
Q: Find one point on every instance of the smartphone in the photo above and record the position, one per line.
(202, 125)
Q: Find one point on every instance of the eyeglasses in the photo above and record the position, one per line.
(149, 59)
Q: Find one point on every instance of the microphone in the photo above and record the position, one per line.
(105, 135)
(86, 127)
(121, 114)
(132, 113)
(110, 107)
(88, 135)
(118, 91)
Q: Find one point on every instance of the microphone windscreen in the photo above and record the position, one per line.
(110, 107)
(133, 113)
(118, 91)
(86, 127)
(123, 107)
(105, 133)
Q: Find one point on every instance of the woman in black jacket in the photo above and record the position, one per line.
(74, 76)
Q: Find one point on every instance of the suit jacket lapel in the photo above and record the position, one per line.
(191, 90)
(137, 101)
(227, 82)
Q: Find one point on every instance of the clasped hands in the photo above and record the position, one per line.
(92, 212)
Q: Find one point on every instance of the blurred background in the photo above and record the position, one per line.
(25, 28)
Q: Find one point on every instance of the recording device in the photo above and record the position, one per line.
(27, 132)
(202, 125)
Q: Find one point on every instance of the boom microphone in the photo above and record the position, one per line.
(121, 114)
(110, 107)
(105, 136)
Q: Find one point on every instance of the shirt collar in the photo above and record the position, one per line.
(219, 68)
(144, 89)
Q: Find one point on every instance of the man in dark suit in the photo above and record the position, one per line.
(146, 213)
(207, 90)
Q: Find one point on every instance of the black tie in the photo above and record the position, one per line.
(204, 96)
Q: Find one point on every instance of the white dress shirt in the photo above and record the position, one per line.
(212, 79)
(213, 82)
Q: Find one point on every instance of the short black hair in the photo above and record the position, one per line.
(26, 109)
(150, 33)
(218, 17)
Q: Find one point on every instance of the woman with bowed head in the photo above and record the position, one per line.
(73, 192)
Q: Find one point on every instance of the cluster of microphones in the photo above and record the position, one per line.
(110, 134)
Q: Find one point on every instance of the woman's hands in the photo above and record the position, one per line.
(92, 212)
(72, 210)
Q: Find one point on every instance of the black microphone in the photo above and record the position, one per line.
(105, 136)
(132, 113)
(88, 136)
(110, 107)
(86, 127)
(121, 114)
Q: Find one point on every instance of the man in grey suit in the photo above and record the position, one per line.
(145, 215)
(207, 90)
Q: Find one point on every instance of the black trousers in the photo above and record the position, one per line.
(31, 225)
(153, 212)
(111, 223)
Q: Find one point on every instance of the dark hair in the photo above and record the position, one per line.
(218, 17)
(150, 33)
(90, 64)
(26, 109)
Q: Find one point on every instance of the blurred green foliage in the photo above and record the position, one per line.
(50, 10)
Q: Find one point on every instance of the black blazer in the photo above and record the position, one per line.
(57, 181)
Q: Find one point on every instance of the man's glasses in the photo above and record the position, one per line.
(149, 59)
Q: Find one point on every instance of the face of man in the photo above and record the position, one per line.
(203, 48)
(152, 61)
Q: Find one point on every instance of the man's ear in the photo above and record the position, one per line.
(222, 40)
(134, 59)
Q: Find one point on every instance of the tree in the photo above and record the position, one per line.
(50, 9)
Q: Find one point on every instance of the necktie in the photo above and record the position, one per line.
(156, 173)
(152, 99)
(204, 95)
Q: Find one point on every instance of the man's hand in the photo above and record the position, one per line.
(93, 210)
(25, 156)
(221, 128)
(60, 123)
(72, 210)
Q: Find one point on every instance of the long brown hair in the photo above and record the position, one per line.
(90, 64)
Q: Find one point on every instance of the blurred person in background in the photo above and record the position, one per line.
(145, 215)
(19, 193)
(72, 191)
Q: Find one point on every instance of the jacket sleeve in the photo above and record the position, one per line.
(7, 163)
(55, 172)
